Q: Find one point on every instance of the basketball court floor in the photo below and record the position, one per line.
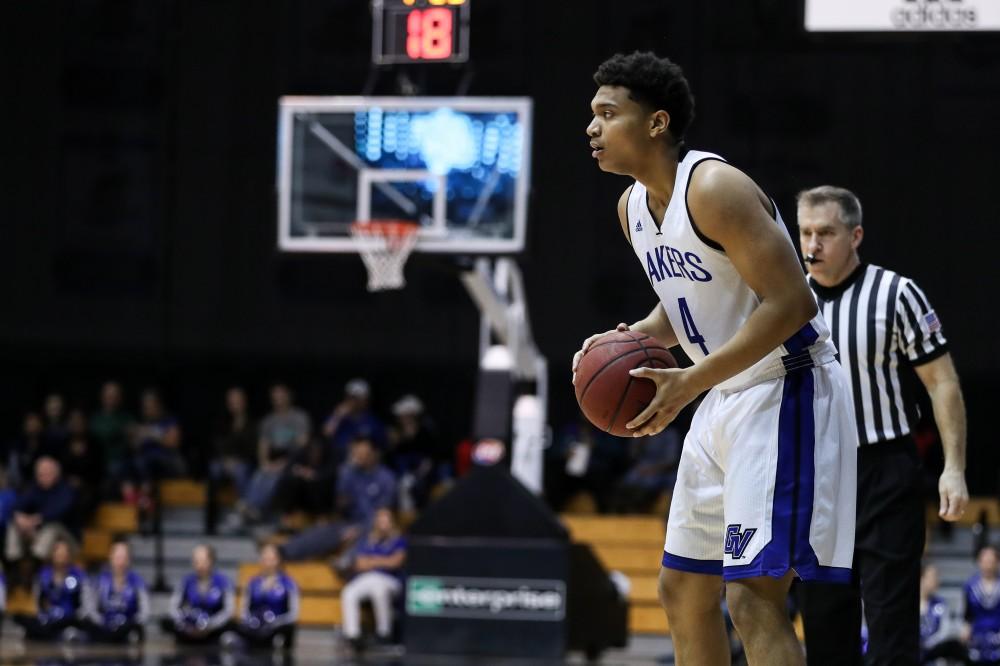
(314, 647)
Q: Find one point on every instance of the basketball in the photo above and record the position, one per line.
(608, 395)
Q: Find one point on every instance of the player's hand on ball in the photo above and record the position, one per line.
(954, 494)
(673, 393)
(589, 341)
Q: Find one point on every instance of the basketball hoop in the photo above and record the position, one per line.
(384, 246)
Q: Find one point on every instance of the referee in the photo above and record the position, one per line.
(882, 324)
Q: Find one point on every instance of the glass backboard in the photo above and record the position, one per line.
(458, 166)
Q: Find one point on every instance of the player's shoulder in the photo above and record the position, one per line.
(716, 180)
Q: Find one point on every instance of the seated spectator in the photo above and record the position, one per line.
(8, 498)
(269, 607)
(939, 630)
(351, 418)
(653, 472)
(201, 607)
(3, 598)
(982, 609)
(26, 450)
(120, 602)
(415, 454)
(308, 482)
(583, 459)
(157, 444)
(44, 512)
(62, 596)
(378, 571)
(282, 433)
(363, 487)
(56, 432)
(110, 429)
(79, 462)
(235, 443)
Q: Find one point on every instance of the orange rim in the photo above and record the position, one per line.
(386, 228)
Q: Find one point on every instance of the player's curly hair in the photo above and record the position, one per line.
(657, 83)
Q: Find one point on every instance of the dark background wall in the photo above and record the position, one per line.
(138, 208)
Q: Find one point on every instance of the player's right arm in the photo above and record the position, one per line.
(655, 324)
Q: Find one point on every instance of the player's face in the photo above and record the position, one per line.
(833, 245)
(618, 131)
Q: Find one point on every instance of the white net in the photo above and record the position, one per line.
(384, 246)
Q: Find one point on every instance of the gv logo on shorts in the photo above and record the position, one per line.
(737, 540)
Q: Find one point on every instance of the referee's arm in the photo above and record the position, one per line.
(941, 381)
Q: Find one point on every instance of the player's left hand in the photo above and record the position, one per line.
(954, 494)
(673, 393)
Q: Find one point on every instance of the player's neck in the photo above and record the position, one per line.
(658, 175)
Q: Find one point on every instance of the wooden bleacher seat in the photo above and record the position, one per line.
(631, 560)
(616, 530)
(647, 620)
(978, 505)
(313, 578)
(581, 503)
(20, 600)
(96, 545)
(182, 493)
(116, 517)
(645, 590)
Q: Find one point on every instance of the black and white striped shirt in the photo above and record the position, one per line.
(880, 321)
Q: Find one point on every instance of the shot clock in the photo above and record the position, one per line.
(420, 31)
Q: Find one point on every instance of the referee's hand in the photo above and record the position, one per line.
(954, 495)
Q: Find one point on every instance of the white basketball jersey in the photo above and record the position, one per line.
(704, 297)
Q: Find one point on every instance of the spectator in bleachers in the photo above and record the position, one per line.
(110, 428)
(120, 601)
(79, 462)
(982, 609)
(8, 498)
(415, 453)
(308, 482)
(202, 604)
(269, 607)
(583, 459)
(56, 433)
(351, 418)
(62, 597)
(44, 513)
(652, 473)
(25, 450)
(282, 433)
(378, 572)
(235, 443)
(157, 443)
(939, 629)
(363, 487)
(3, 598)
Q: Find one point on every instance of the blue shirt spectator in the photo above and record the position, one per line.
(49, 497)
(123, 604)
(364, 486)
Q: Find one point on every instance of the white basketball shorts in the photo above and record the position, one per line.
(767, 481)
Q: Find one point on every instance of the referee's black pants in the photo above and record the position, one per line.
(889, 543)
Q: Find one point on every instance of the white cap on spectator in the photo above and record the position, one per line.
(357, 388)
(408, 405)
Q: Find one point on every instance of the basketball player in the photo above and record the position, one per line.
(766, 483)
(883, 326)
